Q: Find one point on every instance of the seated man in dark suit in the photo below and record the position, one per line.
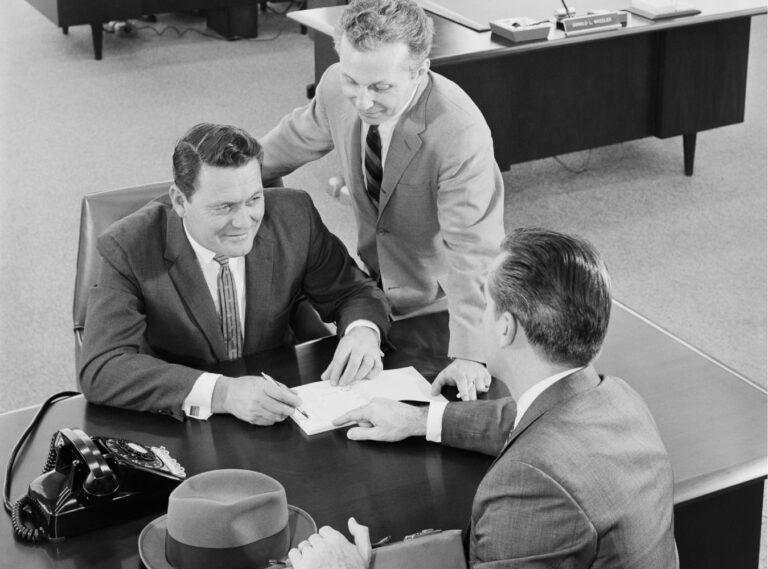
(581, 478)
(211, 273)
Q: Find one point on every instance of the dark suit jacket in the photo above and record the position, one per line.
(583, 481)
(152, 323)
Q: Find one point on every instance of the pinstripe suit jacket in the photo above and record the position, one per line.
(152, 324)
(583, 481)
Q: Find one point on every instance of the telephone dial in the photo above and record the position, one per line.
(90, 482)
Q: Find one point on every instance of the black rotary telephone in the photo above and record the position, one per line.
(90, 482)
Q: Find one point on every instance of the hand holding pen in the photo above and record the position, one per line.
(272, 380)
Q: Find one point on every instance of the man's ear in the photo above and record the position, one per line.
(507, 329)
(424, 67)
(178, 200)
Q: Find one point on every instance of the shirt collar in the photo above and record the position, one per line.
(203, 254)
(530, 394)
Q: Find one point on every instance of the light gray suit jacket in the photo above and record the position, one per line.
(583, 481)
(152, 325)
(440, 219)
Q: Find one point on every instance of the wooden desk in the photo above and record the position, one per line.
(665, 78)
(713, 423)
(230, 18)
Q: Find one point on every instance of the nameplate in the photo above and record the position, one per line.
(590, 23)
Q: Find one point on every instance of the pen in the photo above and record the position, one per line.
(270, 379)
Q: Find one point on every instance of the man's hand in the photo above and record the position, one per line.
(357, 356)
(469, 377)
(254, 399)
(385, 420)
(329, 549)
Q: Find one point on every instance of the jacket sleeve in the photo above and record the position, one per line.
(470, 209)
(335, 285)
(302, 136)
(115, 367)
(524, 519)
(480, 426)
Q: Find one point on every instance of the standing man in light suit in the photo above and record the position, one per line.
(581, 479)
(417, 158)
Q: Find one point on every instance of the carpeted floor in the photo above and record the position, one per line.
(688, 253)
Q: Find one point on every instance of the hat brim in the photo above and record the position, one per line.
(152, 537)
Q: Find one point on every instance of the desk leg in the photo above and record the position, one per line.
(98, 39)
(65, 30)
(689, 152)
(721, 530)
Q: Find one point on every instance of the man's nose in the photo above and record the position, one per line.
(242, 217)
(363, 100)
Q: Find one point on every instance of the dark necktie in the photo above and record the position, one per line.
(373, 169)
(230, 319)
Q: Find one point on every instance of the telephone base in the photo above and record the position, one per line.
(62, 518)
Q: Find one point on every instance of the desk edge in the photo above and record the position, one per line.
(709, 358)
(707, 484)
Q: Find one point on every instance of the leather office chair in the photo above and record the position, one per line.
(99, 211)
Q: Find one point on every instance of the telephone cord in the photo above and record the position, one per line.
(19, 528)
(15, 509)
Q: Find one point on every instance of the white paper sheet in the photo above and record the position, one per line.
(323, 402)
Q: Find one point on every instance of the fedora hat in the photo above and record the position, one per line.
(238, 519)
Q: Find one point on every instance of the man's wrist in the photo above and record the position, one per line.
(361, 323)
(220, 393)
(418, 426)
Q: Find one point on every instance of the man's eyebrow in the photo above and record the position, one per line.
(377, 82)
(221, 203)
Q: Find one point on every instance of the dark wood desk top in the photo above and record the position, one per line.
(454, 42)
(712, 421)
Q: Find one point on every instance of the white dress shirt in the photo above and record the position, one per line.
(197, 404)
(437, 409)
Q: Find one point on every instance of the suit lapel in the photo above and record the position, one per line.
(561, 391)
(406, 142)
(187, 276)
(259, 267)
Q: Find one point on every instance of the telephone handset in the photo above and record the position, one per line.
(92, 482)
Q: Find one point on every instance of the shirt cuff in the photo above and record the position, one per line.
(198, 403)
(367, 324)
(435, 421)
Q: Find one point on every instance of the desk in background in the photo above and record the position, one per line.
(664, 78)
(712, 421)
(230, 18)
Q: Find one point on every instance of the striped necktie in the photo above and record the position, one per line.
(373, 169)
(230, 319)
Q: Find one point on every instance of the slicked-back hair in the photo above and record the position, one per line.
(368, 24)
(558, 289)
(215, 145)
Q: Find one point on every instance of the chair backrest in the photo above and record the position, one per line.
(98, 212)
(102, 209)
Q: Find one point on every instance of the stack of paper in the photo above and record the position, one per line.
(323, 402)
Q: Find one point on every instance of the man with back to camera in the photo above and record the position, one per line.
(417, 157)
(211, 273)
(581, 478)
